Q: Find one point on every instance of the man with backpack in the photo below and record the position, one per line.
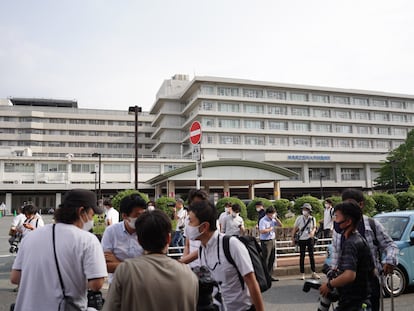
(379, 242)
(235, 295)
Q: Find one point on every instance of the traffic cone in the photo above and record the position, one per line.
(1, 215)
(14, 213)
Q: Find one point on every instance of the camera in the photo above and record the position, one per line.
(324, 302)
(95, 300)
(206, 285)
(14, 243)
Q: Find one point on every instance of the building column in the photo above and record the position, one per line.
(276, 190)
(251, 192)
(8, 203)
(226, 189)
(58, 198)
(305, 170)
(338, 178)
(158, 191)
(368, 177)
(171, 188)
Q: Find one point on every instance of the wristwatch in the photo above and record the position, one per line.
(329, 285)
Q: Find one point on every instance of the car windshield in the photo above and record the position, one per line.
(394, 226)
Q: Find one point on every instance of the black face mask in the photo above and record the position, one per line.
(337, 228)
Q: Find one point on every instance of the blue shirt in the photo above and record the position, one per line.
(266, 223)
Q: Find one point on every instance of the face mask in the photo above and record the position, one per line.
(131, 223)
(234, 214)
(151, 208)
(337, 228)
(327, 205)
(192, 232)
(305, 213)
(274, 215)
(87, 226)
(226, 209)
(258, 209)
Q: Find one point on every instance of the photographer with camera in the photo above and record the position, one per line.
(180, 214)
(355, 265)
(58, 263)
(154, 281)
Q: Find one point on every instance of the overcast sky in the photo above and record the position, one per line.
(113, 54)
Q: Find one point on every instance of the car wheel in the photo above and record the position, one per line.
(398, 280)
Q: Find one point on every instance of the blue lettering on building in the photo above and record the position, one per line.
(309, 157)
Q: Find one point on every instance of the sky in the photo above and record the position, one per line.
(114, 54)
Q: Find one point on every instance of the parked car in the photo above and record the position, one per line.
(400, 227)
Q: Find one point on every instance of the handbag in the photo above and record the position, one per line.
(67, 302)
(299, 233)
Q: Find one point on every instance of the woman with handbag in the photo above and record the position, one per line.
(303, 234)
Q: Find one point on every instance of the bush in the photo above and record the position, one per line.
(166, 204)
(282, 207)
(385, 202)
(116, 200)
(335, 199)
(317, 207)
(251, 207)
(405, 200)
(221, 202)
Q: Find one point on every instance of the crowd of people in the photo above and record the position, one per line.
(57, 264)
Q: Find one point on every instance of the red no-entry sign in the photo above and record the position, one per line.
(195, 132)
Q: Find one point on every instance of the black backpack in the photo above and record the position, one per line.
(255, 251)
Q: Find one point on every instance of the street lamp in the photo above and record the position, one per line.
(94, 172)
(134, 110)
(99, 156)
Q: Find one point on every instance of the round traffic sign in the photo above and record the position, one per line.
(195, 132)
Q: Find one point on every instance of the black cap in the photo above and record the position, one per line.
(82, 197)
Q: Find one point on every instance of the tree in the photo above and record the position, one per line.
(397, 172)
(385, 202)
(116, 200)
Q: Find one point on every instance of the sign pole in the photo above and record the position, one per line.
(195, 138)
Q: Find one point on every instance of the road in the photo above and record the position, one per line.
(285, 295)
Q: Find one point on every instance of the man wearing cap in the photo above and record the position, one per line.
(79, 258)
(119, 241)
(180, 215)
(305, 226)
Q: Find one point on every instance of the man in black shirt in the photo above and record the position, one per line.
(355, 266)
(260, 211)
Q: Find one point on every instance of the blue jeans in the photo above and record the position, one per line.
(178, 239)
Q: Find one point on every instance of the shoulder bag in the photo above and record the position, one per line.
(299, 233)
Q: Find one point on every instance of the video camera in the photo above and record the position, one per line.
(324, 302)
(206, 285)
(14, 243)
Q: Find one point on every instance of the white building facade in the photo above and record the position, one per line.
(332, 138)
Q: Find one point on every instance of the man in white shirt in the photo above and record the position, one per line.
(202, 226)
(111, 214)
(233, 224)
(328, 219)
(223, 215)
(180, 215)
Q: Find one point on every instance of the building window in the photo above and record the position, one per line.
(363, 143)
(278, 125)
(77, 144)
(172, 167)
(253, 108)
(320, 98)
(300, 111)
(342, 114)
(343, 128)
(323, 142)
(382, 144)
(298, 171)
(276, 94)
(278, 141)
(396, 104)
(302, 97)
(362, 115)
(116, 168)
(56, 144)
(301, 141)
(361, 101)
(228, 91)
(380, 116)
(398, 117)
(210, 139)
(343, 100)
(77, 121)
(344, 143)
(207, 106)
(56, 120)
(281, 110)
(379, 103)
(318, 173)
(229, 123)
(254, 93)
(83, 168)
(19, 167)
(207, 90)
(229, 139)
(97, 122)
(363, 129)
(399, 131)
(254, 140)
(254, 124)
(53, 167)
(208, 122)
(228, 107)
(382, 130)
(149, 168)
(300, 126)
(322, 127)
(350, 173)
(321, 113)
(78, 133)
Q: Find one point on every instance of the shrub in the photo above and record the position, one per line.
(116, 200)
(317, 207)
(251, 207)
(282, 207)
(221, 202)
(385, 202)
(335, 199)
(166, 204)
(405, 200)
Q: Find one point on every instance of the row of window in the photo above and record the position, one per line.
(328, 173)
(303, 111)
(77, 144)
(72, 121)
(302, 126)
(305, 96)
(72, 132)
(12, 167)
(262, 140)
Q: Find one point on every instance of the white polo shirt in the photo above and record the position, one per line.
(113, 215)
(231, 225)
(234, 297)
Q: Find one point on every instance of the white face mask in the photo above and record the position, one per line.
(192, 232)
(305, 213)
(234, 214)
(150, 208)
(87, 226)
(131, 222)
(258, 209)
(226, 209)
(327, 205)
